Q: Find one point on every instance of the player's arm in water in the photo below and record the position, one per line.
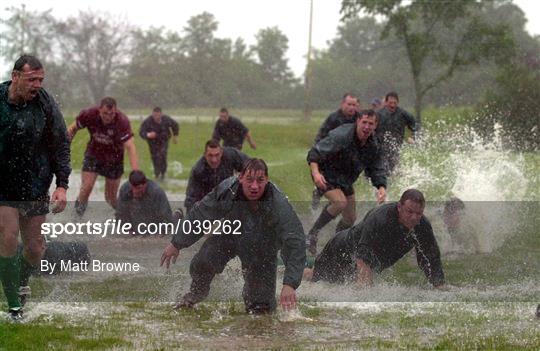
(428, 255)
(364, 274)
(161, 207)
(293, 252)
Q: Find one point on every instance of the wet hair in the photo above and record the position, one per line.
(391, 94)
(137, 178)
(108, 102)
(453, 205)
(29, 60)
(223, 110)
(369, 113)
(212, 143)
(254, 165)
(413, 195)
(351, 95)
(156, 109)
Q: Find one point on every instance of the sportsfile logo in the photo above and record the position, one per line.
(103, 229)
(119, 227)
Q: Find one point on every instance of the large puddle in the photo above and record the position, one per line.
(492, 289)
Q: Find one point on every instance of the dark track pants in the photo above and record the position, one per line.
(158, 152)
(259, 271)
(334, 264)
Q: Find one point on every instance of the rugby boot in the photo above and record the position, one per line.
(16, 315)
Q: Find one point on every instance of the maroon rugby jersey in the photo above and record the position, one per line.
(106, 140)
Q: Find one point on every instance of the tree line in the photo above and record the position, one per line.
(438, 53)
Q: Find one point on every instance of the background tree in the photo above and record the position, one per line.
(153, 74)
(94, 50)
(27, 31)
(514, 104)
(198, 45)
(195, 68)
(34, 32)
(445, 35)
(513, 100)
(271, 49)
(358, 61)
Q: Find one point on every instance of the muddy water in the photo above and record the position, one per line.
(485, 177)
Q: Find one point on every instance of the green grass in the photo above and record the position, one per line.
(128, 326)
(285, 147)
(57, 334)
(435, 118)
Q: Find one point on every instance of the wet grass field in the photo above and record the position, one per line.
(489, 302)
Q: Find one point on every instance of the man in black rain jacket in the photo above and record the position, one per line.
(266, 223)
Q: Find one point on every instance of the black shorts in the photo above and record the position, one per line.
(38, 207)
(347, 190)
(108, 170)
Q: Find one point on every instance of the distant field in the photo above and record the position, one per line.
(285, 145)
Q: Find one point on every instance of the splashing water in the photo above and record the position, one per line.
(462, 165)
(484, 175)
(292, 316)
(176, 168)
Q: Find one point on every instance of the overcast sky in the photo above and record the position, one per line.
(236, 18)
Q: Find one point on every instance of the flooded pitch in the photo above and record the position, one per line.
(490, 299)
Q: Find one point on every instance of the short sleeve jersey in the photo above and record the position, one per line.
(106, 140)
